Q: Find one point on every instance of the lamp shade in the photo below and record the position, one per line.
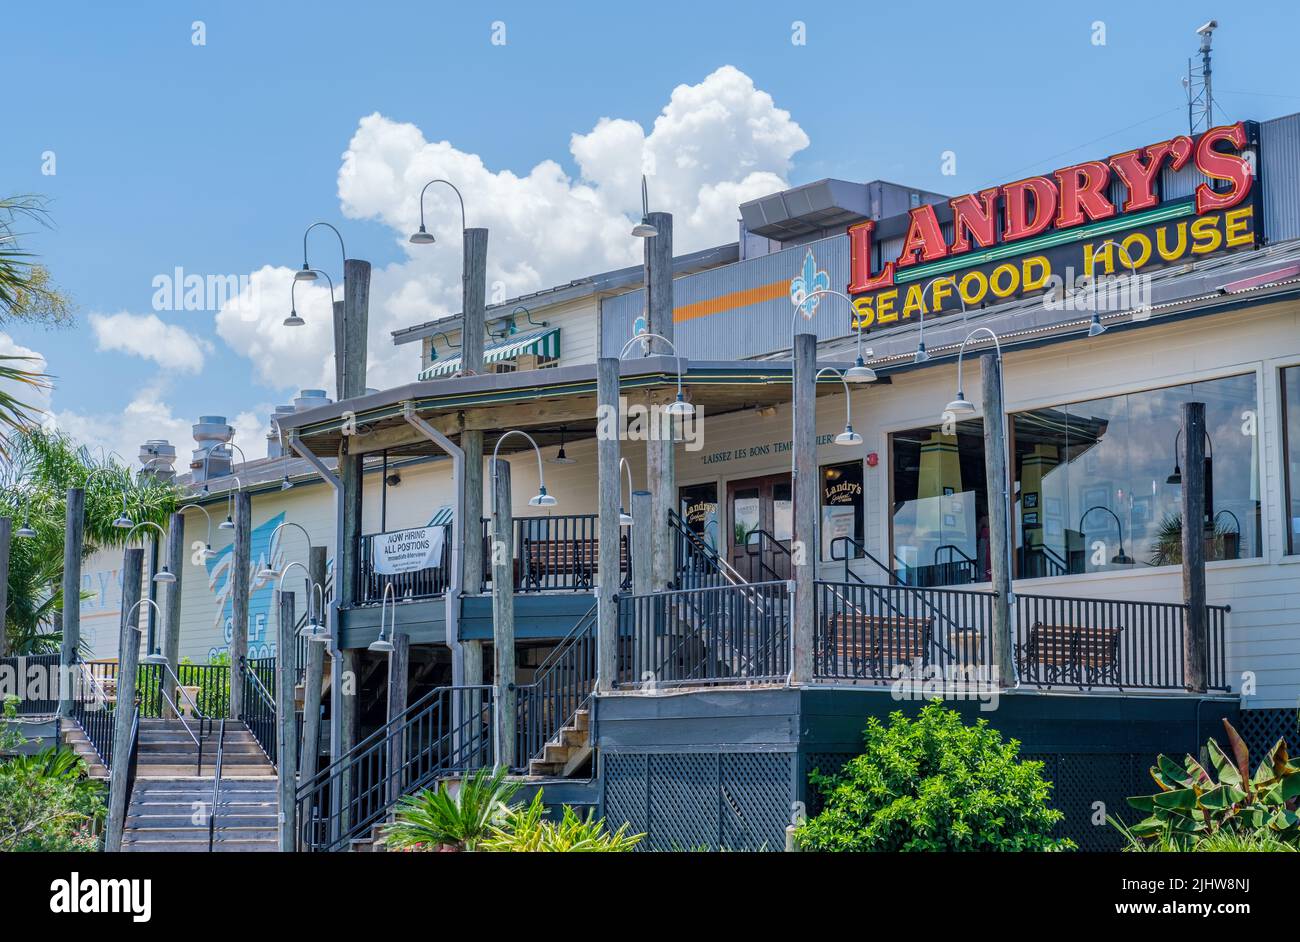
(643, 229)
(422, 237)
(306, 274)
(960, 405)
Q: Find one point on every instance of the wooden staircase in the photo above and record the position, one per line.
(72, 736)
(567, 751)
(170, 815)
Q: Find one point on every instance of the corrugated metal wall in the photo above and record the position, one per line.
(1280, 174)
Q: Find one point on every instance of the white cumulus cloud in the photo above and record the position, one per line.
(149, 337)
(713, 145)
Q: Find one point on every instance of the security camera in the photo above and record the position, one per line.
(1208, 28)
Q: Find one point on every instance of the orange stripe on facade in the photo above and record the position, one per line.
(728, 302)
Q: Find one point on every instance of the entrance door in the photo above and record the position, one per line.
(761, 512)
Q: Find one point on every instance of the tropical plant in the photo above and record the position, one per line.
(1194, 808)
(41, 466)
(46, 801)
(26, 291)
(526, 829)
(1168, 547)
(934, 783)
(438, 820)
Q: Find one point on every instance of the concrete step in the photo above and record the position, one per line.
(185, 821)
(165, 771)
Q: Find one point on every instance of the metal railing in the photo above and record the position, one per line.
(421, 584)
(94, 712)
(562, 685)
(557, 553)
(767, 558)
(259, 702)
(216, 785)
(446, 731)
(721, 634)
(213, 681)
(34, 680)
(1122, 644)
(878, 632)
(696, 564)
(846, 543)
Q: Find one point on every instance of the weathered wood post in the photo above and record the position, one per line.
(240, 573)
(607, 474)
(171, 628)
(399, 673)
(74, 528)
(1196, 634)
(661, 469)
(286, 726)
(642, 542)
(999, 506)
(313, 671)
(469, 517)
(804, 549)
(6, 531)
(128, 663)
(643, 617)
(503, 614)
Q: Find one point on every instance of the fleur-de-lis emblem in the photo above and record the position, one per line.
(805, 285)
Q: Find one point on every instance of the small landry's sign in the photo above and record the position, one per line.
(1100, 217)
(407, 550)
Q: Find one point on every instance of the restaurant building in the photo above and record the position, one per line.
(1113, 291)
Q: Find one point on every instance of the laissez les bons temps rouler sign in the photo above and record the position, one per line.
(1100, 217)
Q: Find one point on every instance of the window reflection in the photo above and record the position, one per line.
(940, 512)
(1098, 487)
(1291, 463)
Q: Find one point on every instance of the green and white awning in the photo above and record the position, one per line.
(443, 515)
(542, 343)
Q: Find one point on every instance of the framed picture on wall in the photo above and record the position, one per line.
(1097, 496)
(1031, 519)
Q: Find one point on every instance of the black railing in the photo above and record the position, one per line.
(448, 730)
(94, 712)
(33, 680)
(562, 685)
(696, 564)
(428, 583)
(557, 553)
(705, 636)
(213, 683)
(132, 760)
(259, 702)
(880, 633)
(850, 549)
(1124, 644)
(216, 786)
(767, 559)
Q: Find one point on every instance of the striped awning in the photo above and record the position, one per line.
(542, 343)
(443, 515)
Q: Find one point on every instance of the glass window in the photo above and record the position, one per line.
(698, 507)
(842, 511)
(939, 524)
(1291, 442)
(782, 510)
(745, 519)
(1098, 482)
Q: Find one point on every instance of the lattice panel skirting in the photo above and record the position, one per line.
(694, 801)
(1261, 729)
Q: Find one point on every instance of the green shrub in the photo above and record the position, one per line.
(930, 784)
(46, 801)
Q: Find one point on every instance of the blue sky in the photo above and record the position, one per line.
(214, 158)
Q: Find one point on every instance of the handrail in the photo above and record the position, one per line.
(263, 733)
(570, 693)
(710, 554)
(216, 786)
(133, 755)
(893, 576)
(764, 539)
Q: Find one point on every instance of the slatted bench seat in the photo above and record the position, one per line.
(869, 645)
(546, 562)
(1070, 654)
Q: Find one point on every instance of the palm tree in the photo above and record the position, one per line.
(34, 480)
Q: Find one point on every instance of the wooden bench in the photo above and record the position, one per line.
(871, 644)
(544, 560)
(1070, 654)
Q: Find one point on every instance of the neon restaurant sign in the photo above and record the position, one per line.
(1026, 237)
